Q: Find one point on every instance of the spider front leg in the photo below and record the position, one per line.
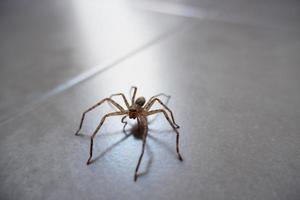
(127, 105)
(156, 96)
(96, 105)
(98, 128)
(151, 103)
(134, 93)
(170, 122)
(123, 96)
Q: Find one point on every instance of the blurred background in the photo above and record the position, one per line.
(231, 67)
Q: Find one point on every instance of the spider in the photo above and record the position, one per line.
(137, 110)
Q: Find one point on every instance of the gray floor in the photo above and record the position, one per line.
(231, 67)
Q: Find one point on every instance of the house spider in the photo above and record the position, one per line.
(137, 110)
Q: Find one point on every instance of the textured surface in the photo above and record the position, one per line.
(232, 70)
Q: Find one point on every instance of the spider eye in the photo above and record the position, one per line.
(140, 101)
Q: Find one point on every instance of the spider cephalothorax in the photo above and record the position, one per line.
(137, 110)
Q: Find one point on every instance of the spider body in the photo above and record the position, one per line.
(137, 110)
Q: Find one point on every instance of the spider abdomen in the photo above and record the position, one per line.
(140, 101)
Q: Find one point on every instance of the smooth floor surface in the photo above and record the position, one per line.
(232, 69)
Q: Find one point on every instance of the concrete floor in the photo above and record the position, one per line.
(231, 67)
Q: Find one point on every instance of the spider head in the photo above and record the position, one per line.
(132, 113)
(140, 101)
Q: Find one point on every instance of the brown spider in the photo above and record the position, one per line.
(137, 110)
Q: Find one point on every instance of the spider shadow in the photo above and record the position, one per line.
(163, 144)
(137, 132)
(99, 135)
(110, 148)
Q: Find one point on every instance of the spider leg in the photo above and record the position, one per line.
(97, 129)
(170, 122)
(134, 93)
(123, 96)
(143, 122)
(156, 96)
(151, 103)
(96, 105)
(166, 103)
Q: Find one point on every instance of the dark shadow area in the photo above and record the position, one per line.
(161, 131)
(83, 135)
(110, 148)
(101, 134)
(137, 131)
(167, 147)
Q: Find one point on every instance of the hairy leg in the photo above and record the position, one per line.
(123, 96)
(170, 122)
(156, 96)
(134, 93)
(97, 129)
(96, 105)
(151, 103)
